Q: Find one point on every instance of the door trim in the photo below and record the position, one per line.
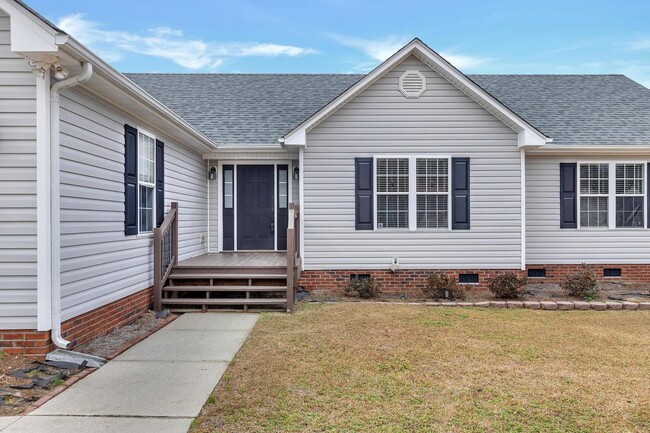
(220, 197)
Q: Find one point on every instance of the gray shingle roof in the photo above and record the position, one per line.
(259, 108)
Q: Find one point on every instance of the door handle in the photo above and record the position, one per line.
(272, 227)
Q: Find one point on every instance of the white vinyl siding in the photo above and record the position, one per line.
(381, 121)
(17, 187)
(546, 243)
(99, 263)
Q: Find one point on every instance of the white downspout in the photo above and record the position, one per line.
(55, 188)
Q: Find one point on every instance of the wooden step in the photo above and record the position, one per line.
(221, 276)
(229, 270)
(224, 289)
(225, 301)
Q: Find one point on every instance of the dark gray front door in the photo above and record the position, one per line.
(255, 213)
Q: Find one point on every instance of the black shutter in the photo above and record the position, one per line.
(460, 209)
(130, 180)
(568, 195)
(363, 193)
(160, 182)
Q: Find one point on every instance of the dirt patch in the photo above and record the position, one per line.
(109, 343)
(23, 381)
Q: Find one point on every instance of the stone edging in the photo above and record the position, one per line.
(549, 305)
(78, 376)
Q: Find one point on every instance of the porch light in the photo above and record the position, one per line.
(296, 173)
(212, 173)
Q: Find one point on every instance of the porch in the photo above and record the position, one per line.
(240, 280)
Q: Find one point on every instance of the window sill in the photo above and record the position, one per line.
(144, 235)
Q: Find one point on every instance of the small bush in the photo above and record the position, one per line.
(364, 288)
(582, 284)
(508, 285)
(441, 286)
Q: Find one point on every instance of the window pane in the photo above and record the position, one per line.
(393, 211)
(392, 175)
(594, 179)
(629, 179)
(283, 197)
(432, 211)
(228, 189)
(146, 149)
(146, 209)
(593, 211)
(432, 175)
(629, 212)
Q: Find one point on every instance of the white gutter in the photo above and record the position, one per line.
(55, 191)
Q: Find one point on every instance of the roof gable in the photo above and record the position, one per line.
(529, 136)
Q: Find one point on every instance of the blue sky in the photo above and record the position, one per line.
(517, 37)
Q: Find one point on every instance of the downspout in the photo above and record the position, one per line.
(55, 188)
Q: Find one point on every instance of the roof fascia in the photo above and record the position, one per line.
(592, 149)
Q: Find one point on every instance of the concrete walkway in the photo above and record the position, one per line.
(159, 385)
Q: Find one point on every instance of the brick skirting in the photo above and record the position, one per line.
(80, 329)
(413, 281)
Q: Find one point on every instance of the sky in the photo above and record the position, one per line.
(354, 36)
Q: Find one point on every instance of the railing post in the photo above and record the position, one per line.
(175, 232)
(157, 269)
(290, 260)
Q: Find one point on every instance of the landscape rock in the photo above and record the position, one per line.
(484, 304)
(515, 304)
(630, 305)
(600, 306)
(565, 305)
(499, 304)
(614, 305)
(581, 305)
(532, 305)
(644, 305)
(548, 305)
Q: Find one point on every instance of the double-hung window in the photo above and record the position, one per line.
(630, 195)
(392, 193)
(432, 185)
(146, 182)
(612, 194)
(412, 192)
(594, 195)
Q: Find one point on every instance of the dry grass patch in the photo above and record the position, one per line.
(399, 368)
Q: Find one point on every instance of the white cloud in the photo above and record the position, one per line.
(640, 44)
(168, 43)
(381, 49)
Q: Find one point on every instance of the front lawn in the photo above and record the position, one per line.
(353, 367)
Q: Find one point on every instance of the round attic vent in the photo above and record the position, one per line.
(412, 84)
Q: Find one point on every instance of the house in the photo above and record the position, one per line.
(119, 190)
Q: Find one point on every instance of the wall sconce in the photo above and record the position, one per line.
(212, 173)
(296, 173)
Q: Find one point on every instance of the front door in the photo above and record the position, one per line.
(255, 213)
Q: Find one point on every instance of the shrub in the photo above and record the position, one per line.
(582, 284)
(362, 287)
(507, 285)
(441, 286)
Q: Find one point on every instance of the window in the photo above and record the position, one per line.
(228, 188)
(630, 197)
(146, 182)
(283, 188)
(432, 185)
(594, 192)
(392, 193)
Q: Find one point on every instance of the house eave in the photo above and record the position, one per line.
(591, 149)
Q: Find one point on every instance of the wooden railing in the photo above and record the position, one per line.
(293, 254)
(165, 253)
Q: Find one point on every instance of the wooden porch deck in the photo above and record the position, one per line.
(262, 259)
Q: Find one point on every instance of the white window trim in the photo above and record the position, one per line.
(412, 193)
(147, 184)
(611, 200)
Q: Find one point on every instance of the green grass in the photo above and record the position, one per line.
(400, 368)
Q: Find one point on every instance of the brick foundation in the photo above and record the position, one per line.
(80, 329)
(412, 281)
